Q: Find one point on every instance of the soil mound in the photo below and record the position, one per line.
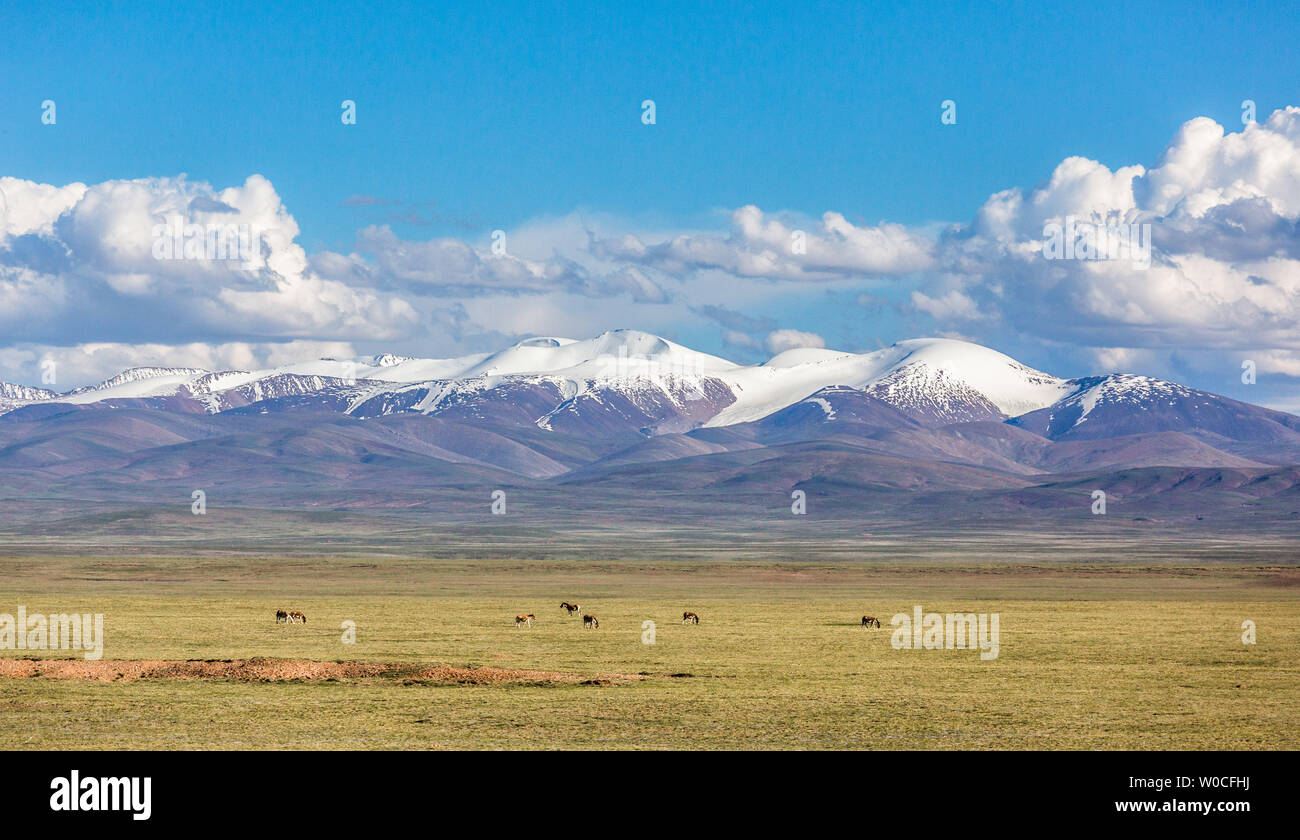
(262, 669)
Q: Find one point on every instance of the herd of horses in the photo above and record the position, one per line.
(688, 617)
(589, 622)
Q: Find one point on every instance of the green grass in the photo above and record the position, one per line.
(1091, 658)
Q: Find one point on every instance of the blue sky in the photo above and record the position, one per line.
(525, 117)
(503, 112)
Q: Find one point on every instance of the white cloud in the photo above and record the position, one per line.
(451, 267)
(778, 341)
(740, 340)
(77, 268)
(1277, 361)
(86, 364)
(1223, 211)
(80, 264)
(952, 305)
(1123, 359)
(761, 246)
(28, 207)
(1204, 167)
(1225, 268)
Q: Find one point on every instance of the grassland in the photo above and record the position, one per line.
(1092, 656)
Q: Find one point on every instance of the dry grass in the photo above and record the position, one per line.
(1091, 658)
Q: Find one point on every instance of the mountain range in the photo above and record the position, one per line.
(628, 413)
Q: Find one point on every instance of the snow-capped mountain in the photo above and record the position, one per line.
(141, 380)
(13, 396)
(1126, 404)
(626, 385)
(640, 423)
(933, 395)
(936, 378)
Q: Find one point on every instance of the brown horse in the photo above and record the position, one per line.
(870, 621)
(524, 619)
(296, 615)
(690, 618)
(569, 608)
(590, 622)
(281, 617)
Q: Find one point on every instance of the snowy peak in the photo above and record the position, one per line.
(608, 355)
(388, 360)
(24, 393)
(15, 396)
(1121, 397)
(144, 374)
(628, 383)
(933, 396)
(641, 406)
(969, 378)
(1126, 389)
(1012, 387)
(1126, 404)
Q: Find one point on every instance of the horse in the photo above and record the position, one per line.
(870, 621)
(590, 622)
(296, 615)
(524, 619)
(281, 617)
(569, 608)
(690, 618)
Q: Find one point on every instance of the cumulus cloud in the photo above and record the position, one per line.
(1123, 359)
(452, 267)
(778, 341)
(740, 340)
(1219, 210)
(761, 246)
(78, 266)
(1277, 361)
(132, 260)
(86, 364)
(952, 305)
(1206, 167)
(1225, 259)
(166, 262)
(27, 207)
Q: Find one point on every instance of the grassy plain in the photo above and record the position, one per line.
(1091, 657)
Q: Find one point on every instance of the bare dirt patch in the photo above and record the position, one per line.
(282, 670)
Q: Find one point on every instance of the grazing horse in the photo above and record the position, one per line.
(281, 617)
(296, 615)
(690, 618)
(589, 621)
(569, 608)
(524, 619)
(870, 621)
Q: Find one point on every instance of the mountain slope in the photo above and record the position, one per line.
(1120, 405)
(549, 408)
(620, 380)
